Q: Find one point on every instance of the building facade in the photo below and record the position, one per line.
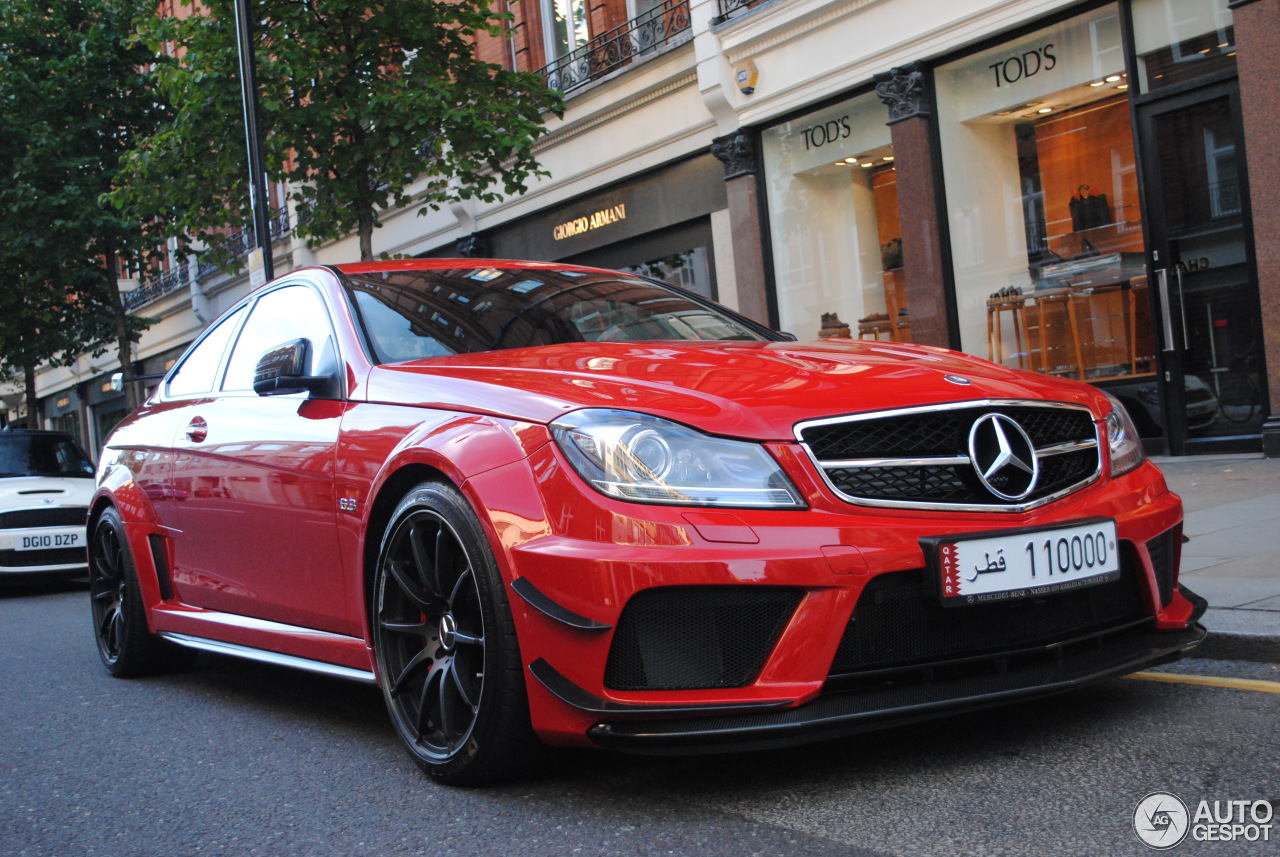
(1084, 190)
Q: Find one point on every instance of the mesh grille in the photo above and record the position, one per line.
(899, 621)
(54, 516)
(27, 559)
(948, 483)
(945, 434)
(695, 637)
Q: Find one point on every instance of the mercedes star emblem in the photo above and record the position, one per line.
(1003, 457)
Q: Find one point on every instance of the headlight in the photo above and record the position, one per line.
(1122, 438)
(644, 459)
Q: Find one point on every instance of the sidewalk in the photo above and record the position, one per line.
(1232, 505)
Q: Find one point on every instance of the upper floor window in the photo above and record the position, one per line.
(567, 30)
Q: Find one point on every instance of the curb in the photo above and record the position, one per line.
(1238, 646)
(1239, 634)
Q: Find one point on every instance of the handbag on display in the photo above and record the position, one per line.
(891, 254)
(1089, 210)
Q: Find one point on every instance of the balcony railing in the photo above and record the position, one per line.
(731, 8)
(657, 30)
(238, 244)
(242, 240)
(157, 287)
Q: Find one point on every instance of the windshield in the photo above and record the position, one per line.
(42, 455)
(408, 315)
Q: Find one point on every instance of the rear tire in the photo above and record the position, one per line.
(448, 661)
(125, 645)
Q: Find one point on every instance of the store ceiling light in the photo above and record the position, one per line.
(887, 158)
(851, 160)
(1112, 78)
(1122, 87)
(1045, 110)
(1098, 83)
(866, 165)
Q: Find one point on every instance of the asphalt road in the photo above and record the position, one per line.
(233, 758)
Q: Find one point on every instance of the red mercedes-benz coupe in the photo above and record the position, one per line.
(538, 501)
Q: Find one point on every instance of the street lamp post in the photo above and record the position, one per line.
(253, 136)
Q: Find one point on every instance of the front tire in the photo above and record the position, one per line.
(448, 661)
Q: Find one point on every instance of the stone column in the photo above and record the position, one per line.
(741, 161)
(908, 93)
(1256, 23)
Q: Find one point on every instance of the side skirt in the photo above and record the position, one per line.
(266, 657)
(265, 641)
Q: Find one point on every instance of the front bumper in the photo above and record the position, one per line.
(846, 708)
(861, 640)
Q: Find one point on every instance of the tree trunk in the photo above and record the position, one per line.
(33, 404)
(132, 395)
(364, 223)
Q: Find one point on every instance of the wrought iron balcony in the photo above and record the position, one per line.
(242, 240)
(733, 8)
(655, 31)
(157, 287)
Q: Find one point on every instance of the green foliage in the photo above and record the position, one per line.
(74, 95)
(365, 106)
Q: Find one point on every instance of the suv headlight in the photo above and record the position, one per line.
(645, 459)
(1122, 439)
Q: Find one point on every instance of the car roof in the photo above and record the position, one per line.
(437, 264)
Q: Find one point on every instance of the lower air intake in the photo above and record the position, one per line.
(697, 637)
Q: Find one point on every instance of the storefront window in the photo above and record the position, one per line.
(1042, 192)
(1178, 40)
(689, 268)
(833, 204)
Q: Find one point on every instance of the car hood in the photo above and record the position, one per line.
(756, 390)
(24, 492)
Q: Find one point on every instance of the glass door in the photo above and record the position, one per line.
(1202, 276)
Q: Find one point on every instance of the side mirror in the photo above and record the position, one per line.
(283, 370)
(118, 381)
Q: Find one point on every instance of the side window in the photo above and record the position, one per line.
(294, 312)
(196, 374)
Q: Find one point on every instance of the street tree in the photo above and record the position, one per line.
(365, 107)
(75, 93)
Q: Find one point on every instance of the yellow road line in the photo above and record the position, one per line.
(1211, 681)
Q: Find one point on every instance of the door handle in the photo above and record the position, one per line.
(197, 430)
(1182, 309)
(1166, 317)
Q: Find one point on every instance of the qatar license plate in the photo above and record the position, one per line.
(986, 567)
(50, 541)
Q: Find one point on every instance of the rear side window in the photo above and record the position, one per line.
(198, 371)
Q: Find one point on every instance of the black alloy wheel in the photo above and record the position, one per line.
(125, 645)
(445, 643)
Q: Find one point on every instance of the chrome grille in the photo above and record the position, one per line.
(919, 458)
